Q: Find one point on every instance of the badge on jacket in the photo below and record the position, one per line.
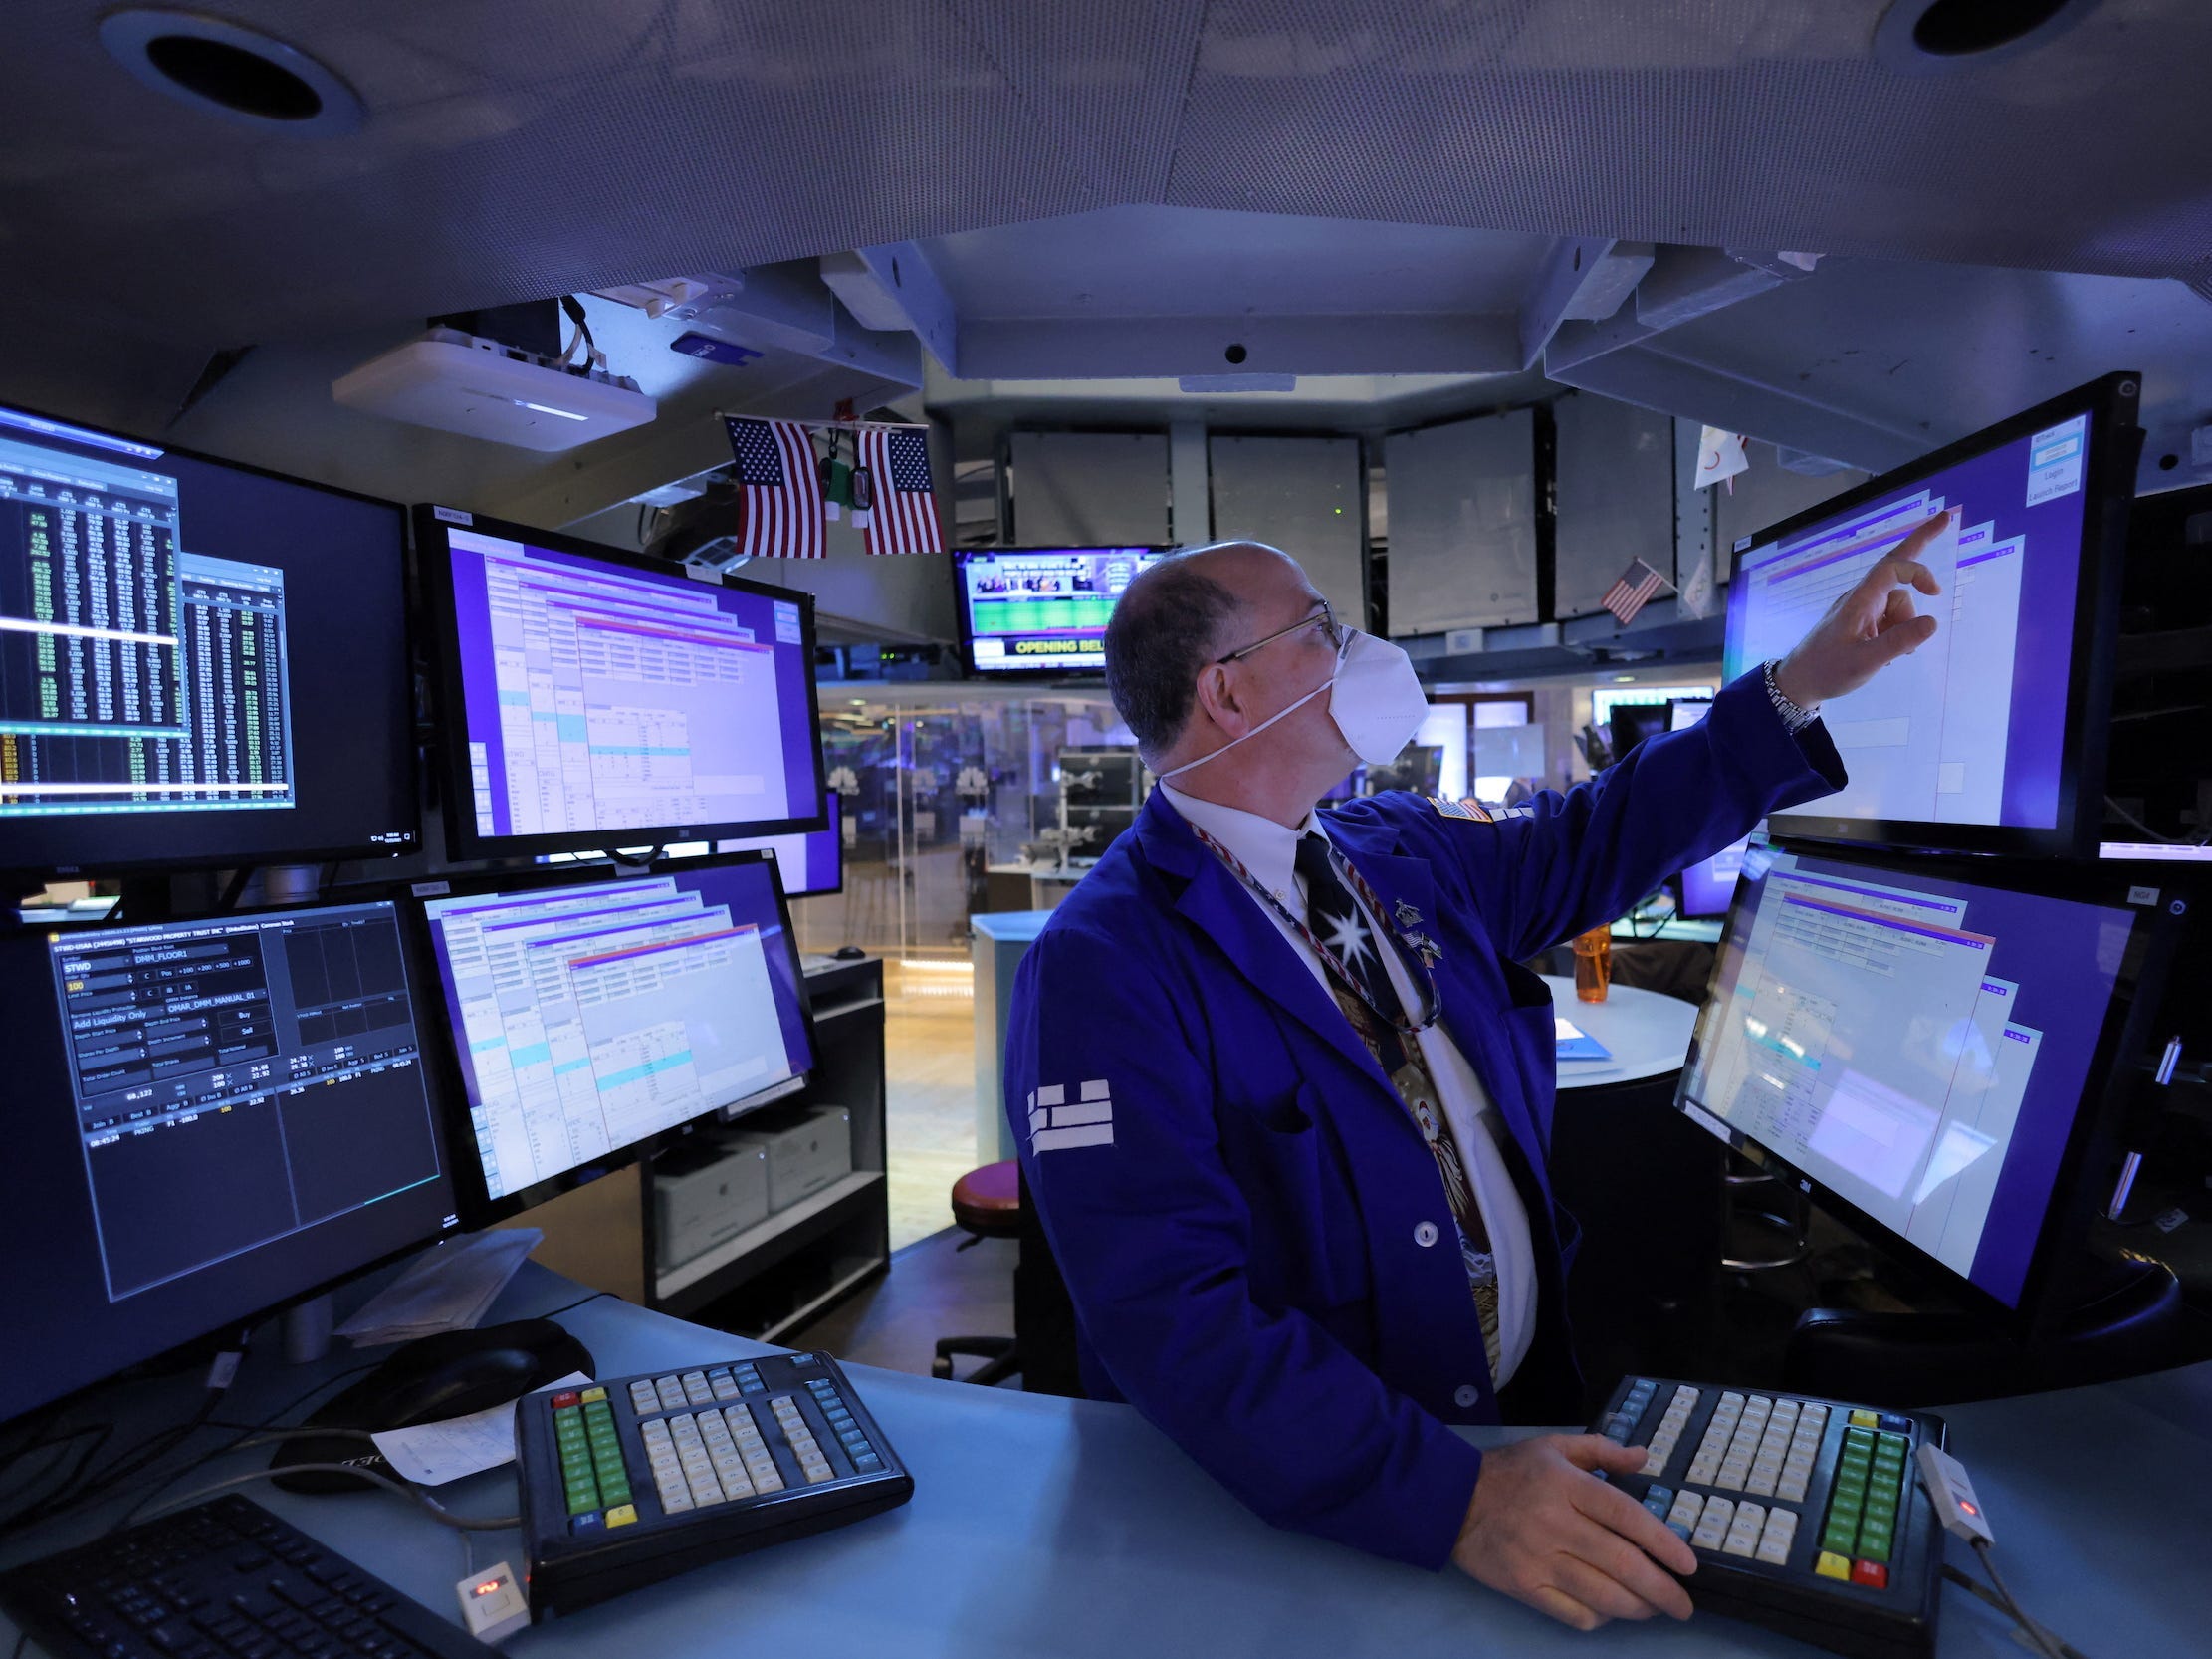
(1470, 809)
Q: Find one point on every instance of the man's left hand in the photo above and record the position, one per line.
(1868, 627)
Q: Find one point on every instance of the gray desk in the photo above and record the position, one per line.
(1043, 1526)
(997, 942)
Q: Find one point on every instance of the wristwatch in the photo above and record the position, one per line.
(1794, 719)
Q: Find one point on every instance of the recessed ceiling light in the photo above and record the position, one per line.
(231, 71)
(1923, 37)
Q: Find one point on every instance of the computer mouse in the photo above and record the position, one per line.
(849, 953)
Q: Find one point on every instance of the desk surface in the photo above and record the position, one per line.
(1044, 1526)
(1649, 1033)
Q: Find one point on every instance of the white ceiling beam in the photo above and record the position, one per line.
(1581, 279)
(894, 286)
(1077, 348)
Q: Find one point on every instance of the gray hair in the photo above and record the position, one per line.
(1167, 625)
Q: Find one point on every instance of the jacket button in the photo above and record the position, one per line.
(1467, 1395)
(1426, 1234)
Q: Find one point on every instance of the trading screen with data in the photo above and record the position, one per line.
(590, 1016)
(1971, 728)
(178, 636)
(215, 1116)
(1919, 1046)
(1043, 609)
(603, 703)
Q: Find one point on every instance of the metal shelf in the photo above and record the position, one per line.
(678, 1280)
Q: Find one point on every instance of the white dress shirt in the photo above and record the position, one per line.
(1269, 851)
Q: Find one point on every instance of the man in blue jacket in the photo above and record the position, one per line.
(1284, 1094)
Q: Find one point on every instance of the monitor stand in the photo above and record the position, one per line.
(451, 1375)
(2123, 1319)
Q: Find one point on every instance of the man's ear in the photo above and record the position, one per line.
(1217, 697)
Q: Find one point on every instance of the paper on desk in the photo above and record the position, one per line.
(450, 1287)
(431, 1454)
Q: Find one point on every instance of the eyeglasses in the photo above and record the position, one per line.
(1326, 618)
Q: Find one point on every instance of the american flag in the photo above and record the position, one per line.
(780, 491)
(905, 521)
(1634, 591)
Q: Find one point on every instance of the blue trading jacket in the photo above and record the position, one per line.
(1229, 1183)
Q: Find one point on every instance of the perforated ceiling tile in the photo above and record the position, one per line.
(515, 148)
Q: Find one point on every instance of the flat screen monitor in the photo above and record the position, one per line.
(594, 699)
(1927, 1044)
(1710, 883)
(201, 664)
(1631, 723)
(206, 1120)
(1030, 610)
(1091, 830)
(808, 865)
(590, 1016)
(1988, 738)
(1685, 712)
(1101, 776)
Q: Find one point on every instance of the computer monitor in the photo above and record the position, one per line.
(1031, 610)
(1091, 830)
(1685, 712)
(1710, 883)
(594, 699)
(1930, 1046)
(1990, 737)
(206, 1120)
(201, 664)
(1101, 776)
(808, 865)
(1631, 723)
(590, 1016)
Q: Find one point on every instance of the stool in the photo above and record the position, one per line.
(987, 1204)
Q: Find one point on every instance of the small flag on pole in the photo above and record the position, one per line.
(1626, 598)
(779, 490)
(905, 521)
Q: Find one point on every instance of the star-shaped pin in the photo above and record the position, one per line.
(1347, 937)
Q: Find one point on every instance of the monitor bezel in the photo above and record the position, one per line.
(2116, 443)
(1044, 672)
(402, 712)
(478, 1208)
(433, 553)
(833, 805)
(37, 938)
(2090, 1141)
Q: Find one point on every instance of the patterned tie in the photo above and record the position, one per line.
(1334, 915)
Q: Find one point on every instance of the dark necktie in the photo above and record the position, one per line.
(1335, 917)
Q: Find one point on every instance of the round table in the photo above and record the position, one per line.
(1649, 1033)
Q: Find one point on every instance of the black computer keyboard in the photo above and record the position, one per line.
(1806, 1514)
(220, 1581)
(628, 1480)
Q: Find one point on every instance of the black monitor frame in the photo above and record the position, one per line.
(401, 714)
(434, 1082)
(477, 1206)
(434, 565)
(2108, 486)
(1043, 671)
(2126, 1038)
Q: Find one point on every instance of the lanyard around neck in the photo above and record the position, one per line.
(1432, 1000)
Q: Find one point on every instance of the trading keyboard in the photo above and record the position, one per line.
(220, 1581)
(1805, 1514)
(634, 1479)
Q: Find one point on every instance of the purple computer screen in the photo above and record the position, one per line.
(810, 862)
(1969, 729)
(1708, 885)
(1920, 1047)
(600, 698)
(590, 1015)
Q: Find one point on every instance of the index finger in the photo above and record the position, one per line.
(1614, 1510)
(1903, 561)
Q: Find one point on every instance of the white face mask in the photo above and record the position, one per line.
(1375, 698)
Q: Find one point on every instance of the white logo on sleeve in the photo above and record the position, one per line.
(1055, 1123)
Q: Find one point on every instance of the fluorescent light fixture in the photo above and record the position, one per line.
(547, 408)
